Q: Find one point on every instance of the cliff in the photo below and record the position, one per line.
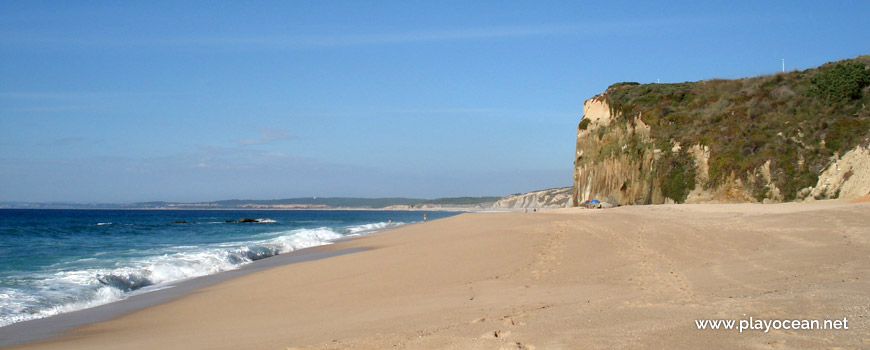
(801, 135)
(550, 198)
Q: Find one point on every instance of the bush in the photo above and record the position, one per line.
(841, 135)
(678, 178)
(843, 81)
(781, 118)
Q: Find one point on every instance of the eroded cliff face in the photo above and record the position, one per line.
(612, 162)
(551, 198)
(847, 177)
(617, 161)
(603, 169)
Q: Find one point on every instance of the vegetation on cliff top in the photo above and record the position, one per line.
(795, 120)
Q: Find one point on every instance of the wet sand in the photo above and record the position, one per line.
(629, 277)
(38, 329)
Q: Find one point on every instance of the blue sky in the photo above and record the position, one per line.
(194, 101)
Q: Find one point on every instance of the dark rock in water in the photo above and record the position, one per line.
(243, 220)
(180, 222)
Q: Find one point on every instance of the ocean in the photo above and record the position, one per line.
(57, 261)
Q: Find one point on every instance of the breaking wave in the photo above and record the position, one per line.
(66, 291)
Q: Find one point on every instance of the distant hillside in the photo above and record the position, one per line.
(782, 137)
(289, 203)
(350, 202)
(332, 202)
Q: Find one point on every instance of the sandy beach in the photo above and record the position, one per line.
(623, 278)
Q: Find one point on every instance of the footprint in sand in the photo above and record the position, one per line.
(498, 334)
(518, 345)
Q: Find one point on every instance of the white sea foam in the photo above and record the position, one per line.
(369, 228)
(67, 291)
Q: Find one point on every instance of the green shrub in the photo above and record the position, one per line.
(842, 135)
(760, 193)
(843, 81)
(679, 178)
(782, 118)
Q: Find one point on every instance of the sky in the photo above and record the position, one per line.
(108, 101)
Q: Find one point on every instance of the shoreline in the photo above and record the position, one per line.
(36, 330)
(628, 277)
(462, 210)
(172, 268)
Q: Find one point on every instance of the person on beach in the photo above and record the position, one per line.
(424, 216)
(389, 222)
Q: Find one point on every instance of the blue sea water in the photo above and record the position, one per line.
(56, 261)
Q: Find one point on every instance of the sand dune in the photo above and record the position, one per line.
(629, 277)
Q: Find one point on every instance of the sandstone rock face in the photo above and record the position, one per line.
(603, 169)
(847, 177)
(617, 161)
(551, 198)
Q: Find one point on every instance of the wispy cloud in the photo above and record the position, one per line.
(31, 95)
(237, 152)
(589, 27)
(267, 136)
(605, 26)
(65, 141)
(300, 41)
(209, 156)
(23, 102)
(446, 111)
(26, 102)
(76, 95)
(48, 109)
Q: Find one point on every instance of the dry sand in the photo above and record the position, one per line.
(630, 277)
(862, 199)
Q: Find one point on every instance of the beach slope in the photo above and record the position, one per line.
(629, 277)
